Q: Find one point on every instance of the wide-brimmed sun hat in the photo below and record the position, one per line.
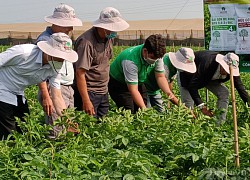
(183, 59)
(111, 19)
(63, 16)
(225, 61)
(59, 45)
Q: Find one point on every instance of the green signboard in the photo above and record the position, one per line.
(227, 28)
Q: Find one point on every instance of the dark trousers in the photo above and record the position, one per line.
(99, 101)
(121, 96)
(8, 112)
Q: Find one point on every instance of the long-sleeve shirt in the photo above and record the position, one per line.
(206, 68)
(21, 66)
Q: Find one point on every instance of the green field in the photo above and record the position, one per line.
(147, 145)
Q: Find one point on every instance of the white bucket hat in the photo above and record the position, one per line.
(225, 61)
(59, 45)
(63, 16)
(111, 19)
(183, 59)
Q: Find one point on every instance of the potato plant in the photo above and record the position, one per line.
(147, 145)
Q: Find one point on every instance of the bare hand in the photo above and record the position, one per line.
(88, 108)
(47, 106)
(206, 112)
(173, 99)
(73, 127)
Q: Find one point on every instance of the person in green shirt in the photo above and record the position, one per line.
(182, 60)
(129, 70)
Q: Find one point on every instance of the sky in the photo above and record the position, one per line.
(30, 11)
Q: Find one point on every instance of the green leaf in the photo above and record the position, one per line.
(27, 157)
(24, 174)
(195, 157)
(141, 176)
(125, 141)
(95, 162)
(118, 137)
(155, 159)
(126, 154)
(128, 177)
(160, 139)
(138, 163)
(205, 152)
(116, 174)
(144, 169)
(118, 162)
(220, 174)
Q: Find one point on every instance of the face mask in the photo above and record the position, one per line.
(149, 61)
(56, 65)
(111, 35)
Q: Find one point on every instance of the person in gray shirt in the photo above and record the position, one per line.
(94, 48)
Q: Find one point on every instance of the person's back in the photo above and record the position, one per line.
(9, 70)
(170, 72)
(212, 71)
(129, 71)
(25, 65)
(132, 54)
(182, 60)
(203, 60)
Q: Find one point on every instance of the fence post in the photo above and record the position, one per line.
(191, 34)
(29, 38)
(173, 47)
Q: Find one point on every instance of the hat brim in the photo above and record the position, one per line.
(188, 67)
(120, 25)
(63, 22)
(48, 49)
(220, 59)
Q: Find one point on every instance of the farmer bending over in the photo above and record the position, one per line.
(28, 64)
(212, 72)
(129, 70)
(182, 60)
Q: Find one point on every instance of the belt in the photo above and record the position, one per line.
(66, 84)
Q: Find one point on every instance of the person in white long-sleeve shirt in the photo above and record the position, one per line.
(28, 64)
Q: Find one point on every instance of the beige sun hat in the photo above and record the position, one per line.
(63, 16)
(111, 19)
(183, 59)
(59, 45)
(225, 61)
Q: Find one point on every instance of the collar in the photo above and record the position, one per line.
(217, 74)
(49, 30)
(141, 57)
(39, 58)
(97, 36)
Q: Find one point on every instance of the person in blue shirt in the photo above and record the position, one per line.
(63, 20)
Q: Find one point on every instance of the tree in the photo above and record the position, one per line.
(243, 33)
(216, 34)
